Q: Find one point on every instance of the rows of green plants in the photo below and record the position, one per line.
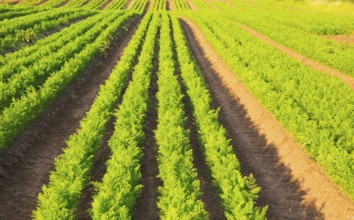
(7, 8)
(95, 4)
(14, 63)
(11, 26)
(117, 4)
(18, 13)
(159, 5)
(31, 2)
(179, 194)
(180, 5)
(326, 51)
(24, 110)
(349, 145)
(314, 22)
(53, 3)
(59, 198)
(312, 106)
(35, 75)
(91, 4)
(200, 4)
(75, 3)
(139, 6)
(26, 29)
(238, 193)
(303, 17)
(25, 3)
(116, 194)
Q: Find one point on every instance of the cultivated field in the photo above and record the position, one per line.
(176, 109)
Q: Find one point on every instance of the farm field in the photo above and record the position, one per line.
(176, 109)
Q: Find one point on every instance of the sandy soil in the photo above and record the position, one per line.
(343, 39)
(293, 185)
(191, 5)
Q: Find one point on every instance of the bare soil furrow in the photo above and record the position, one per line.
(105, 4)
(210, 196)
(146, 204)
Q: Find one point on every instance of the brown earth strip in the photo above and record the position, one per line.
(294, 186)
(148, 6)
(97, 173)
(85, 3)
(146, 205)
(63, 3)
(169, 5)
(342, 39)
(191, 5)
(27, 163)
(210, 196)
(302, 59)
(105, 4)
(128, 4)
